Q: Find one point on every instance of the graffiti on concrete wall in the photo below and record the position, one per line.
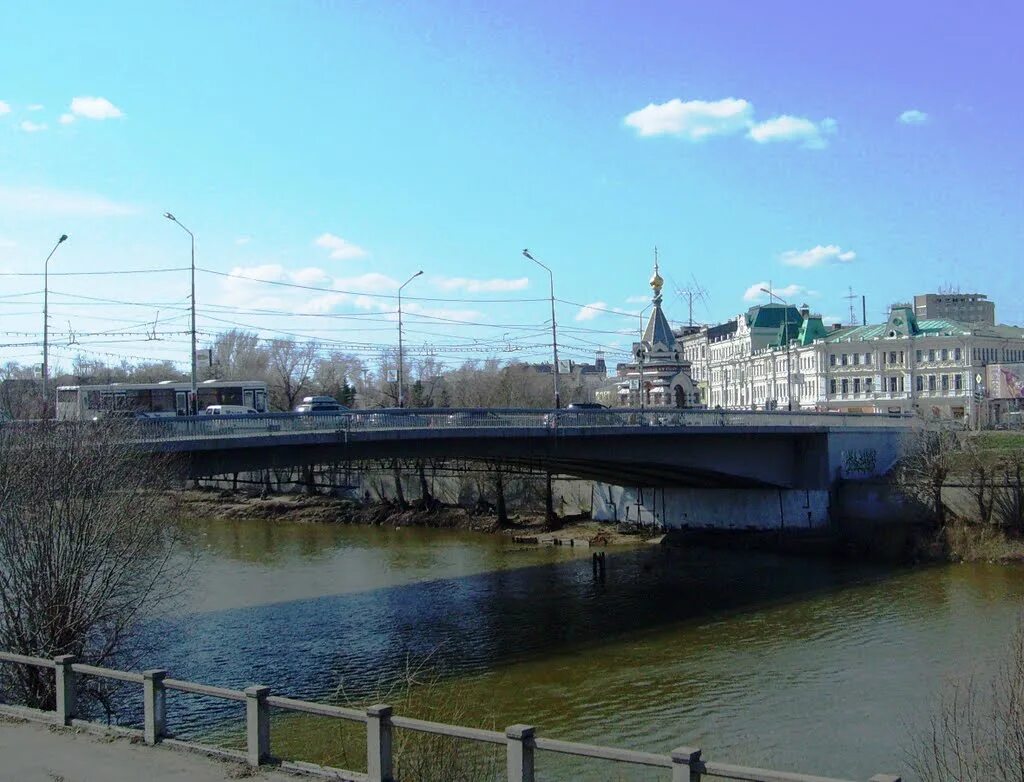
(860, 462)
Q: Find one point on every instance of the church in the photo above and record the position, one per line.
(659, 375)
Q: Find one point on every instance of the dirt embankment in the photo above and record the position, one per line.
(529, 527)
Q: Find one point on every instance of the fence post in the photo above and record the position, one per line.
(519, 752)
(257, 725)
(686, 765)
(65, 687)
(884, 778)
(378, 744)
(154, 705)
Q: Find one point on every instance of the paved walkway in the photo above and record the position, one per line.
(35, 752)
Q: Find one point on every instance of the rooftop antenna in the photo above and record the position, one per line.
(851, 297)
(692, 291)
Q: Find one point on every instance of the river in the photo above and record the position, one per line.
(780, 661)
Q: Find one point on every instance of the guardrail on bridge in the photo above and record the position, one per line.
(521, 742)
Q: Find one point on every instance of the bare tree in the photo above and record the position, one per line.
(239, 355)
(86, 547)
(928, 458)
(976, 731)
(291, 370)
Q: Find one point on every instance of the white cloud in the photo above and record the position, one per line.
(35, 201)
(786, 127)
(94, 108)
(36, 107)
(32, 127)
(756, 292)
(913, 117)
(591, 311)
(5, 107)
(495, 285)
(693, 120)
(341, 249)
(67, 119)
(817, 256)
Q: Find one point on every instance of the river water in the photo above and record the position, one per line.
(799, 664)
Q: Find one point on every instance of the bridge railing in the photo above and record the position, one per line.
(551, 421)
(521, 742)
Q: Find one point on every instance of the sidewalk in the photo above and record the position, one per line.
(35, 752)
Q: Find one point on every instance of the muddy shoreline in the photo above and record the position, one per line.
(317, 509)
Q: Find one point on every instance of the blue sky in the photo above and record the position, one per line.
(347, 145)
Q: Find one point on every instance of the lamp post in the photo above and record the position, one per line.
(401, 361)
(46, 325)
(641, 354)
(554, 328)
(193, 404)
(785, 322)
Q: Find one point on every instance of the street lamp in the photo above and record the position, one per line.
(641, 354)
(401, 362)
(193, 405)
(554, 328)
(46, 325)
(785, 321)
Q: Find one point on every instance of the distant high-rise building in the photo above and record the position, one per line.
(962, 307)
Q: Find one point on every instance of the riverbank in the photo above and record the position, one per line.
(316, 509)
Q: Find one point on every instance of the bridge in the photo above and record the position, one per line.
(657, 448)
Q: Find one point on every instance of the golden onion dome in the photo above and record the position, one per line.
(657, 282)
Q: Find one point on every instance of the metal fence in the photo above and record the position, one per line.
(552, 421)
(521, 742)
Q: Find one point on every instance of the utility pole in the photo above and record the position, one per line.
(554, 328)
(194, 403)
(46, 326)
(401, 359)
(785, 326)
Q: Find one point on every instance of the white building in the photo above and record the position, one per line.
(778, 357)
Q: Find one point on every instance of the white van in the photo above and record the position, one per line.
(229, 410)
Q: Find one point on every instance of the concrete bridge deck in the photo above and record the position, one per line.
(668, 448)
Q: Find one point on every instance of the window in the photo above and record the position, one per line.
(956, 354)
(856, 359)
(945, 382)
(931, 382)
(945, 354)
(845, 357)
(846, 385)
(832, 384)
(856, 385)
(918, 356)
(920, 382)
(892, 356)
(832, 360)
(867, 359)
(958, 382)
(867, 384)
(931, 354)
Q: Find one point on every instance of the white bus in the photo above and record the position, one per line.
(166, 398)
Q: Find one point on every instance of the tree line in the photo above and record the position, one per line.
(294, 369)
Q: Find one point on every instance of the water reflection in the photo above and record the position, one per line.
(803, 664)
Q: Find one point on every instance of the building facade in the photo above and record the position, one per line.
(962, 307)
(931, 367)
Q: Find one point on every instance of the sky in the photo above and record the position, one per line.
(816, 148)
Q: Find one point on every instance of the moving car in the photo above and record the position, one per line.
(320, 404)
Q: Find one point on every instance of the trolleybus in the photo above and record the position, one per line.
(166, 398)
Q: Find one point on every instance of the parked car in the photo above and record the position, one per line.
(320, 404)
